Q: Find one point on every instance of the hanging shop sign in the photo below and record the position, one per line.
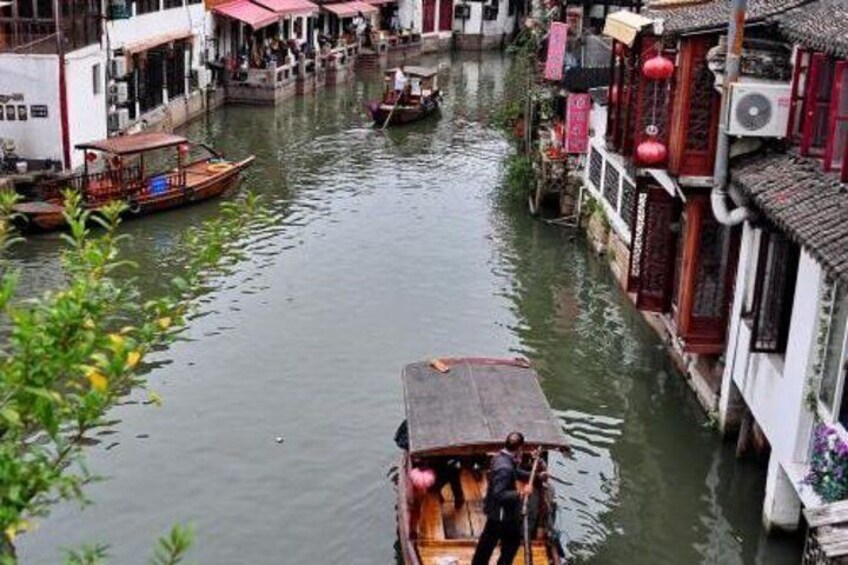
(556, 51)
(578, 108)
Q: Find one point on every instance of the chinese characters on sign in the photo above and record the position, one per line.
(556, 51)
(577, 123)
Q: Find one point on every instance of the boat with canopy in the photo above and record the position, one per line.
(119, 168)
(416, 97)
(458, 413)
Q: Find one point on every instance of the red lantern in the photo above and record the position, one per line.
(651, 152)
(613, 95)
(658, 68)
(90, 156)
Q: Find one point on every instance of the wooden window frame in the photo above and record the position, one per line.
(814, 104)
(833, 412)
(834, 118)
(766, 299)
(797, 94)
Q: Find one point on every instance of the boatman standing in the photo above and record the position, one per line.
(503, 504)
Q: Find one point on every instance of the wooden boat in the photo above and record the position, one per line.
(458, 413)
(419, 99)
(122, 175)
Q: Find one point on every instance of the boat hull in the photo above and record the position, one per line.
(401, 115)
(49, 216)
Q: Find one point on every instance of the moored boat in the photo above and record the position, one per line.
(458, 412)
(416, 98)
(122, 175)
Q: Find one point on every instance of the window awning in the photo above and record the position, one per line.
(155, 41)
(246, 11)
(350, 9)
(289, 7)
(624, 26)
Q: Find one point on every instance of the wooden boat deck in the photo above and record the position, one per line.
(444, 530)
(431, 552)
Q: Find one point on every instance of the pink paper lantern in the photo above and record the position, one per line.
(422, 479)
(658, 68)
(651, 152)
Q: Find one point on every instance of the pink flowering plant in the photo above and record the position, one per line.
(828, 465)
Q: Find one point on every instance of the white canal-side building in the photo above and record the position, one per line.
(787, 358)
(107, 68)
(465, 24)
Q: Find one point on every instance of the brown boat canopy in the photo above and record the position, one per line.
(474, 405)
(137, 143)
(415, 71)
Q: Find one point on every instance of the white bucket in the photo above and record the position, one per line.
(22, 167)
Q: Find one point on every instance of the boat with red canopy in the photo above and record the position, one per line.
(458, 413)
(140, 170)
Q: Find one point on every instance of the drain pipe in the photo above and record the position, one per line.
(720, 198)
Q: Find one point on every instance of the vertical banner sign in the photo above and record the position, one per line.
(556, 51)
(577, 123)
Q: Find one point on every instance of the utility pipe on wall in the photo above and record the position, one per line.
(720, 197)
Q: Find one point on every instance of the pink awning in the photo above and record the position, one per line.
(287, 7)
(350, 9)
(246, 11)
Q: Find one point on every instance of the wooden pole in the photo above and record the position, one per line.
(528, 553)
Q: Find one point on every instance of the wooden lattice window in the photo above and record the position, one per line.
(611, 185)
(799, 79)
(596, 162)
(622, 96)
(628, 201)
(654, 249)
(146, 6)
(774, 289)
(836, 146)
(816, 104)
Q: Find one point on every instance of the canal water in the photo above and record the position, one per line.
(390, 248)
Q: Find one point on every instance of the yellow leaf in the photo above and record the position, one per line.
(117, 340)
(88, 324)
(165, 323)
(126, 329)
(98, 381)
(154, 398)
(132, 359)
(11, 533)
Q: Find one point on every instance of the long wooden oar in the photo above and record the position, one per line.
(528, 553)
(391, 113)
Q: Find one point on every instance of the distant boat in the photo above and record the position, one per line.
(418, 100)
(123, 176)
(458, 413)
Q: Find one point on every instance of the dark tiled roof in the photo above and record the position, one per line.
(811, 206)
(711, 15)
(822, 26)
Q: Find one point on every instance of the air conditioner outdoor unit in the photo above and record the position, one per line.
(120, 92)
(759, 109)
(119, 119)
(119, 67)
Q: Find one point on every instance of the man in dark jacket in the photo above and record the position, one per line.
(503, 504)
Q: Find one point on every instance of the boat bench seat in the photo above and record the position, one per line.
(431, 552)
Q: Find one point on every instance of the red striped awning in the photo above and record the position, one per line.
(246, 11)
(350, 9)
(288, 7)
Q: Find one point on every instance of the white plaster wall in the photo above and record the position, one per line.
(409, 13)
(86, 110)
(774, 386)
(193, 18)
(475, 24)
(37, 78)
